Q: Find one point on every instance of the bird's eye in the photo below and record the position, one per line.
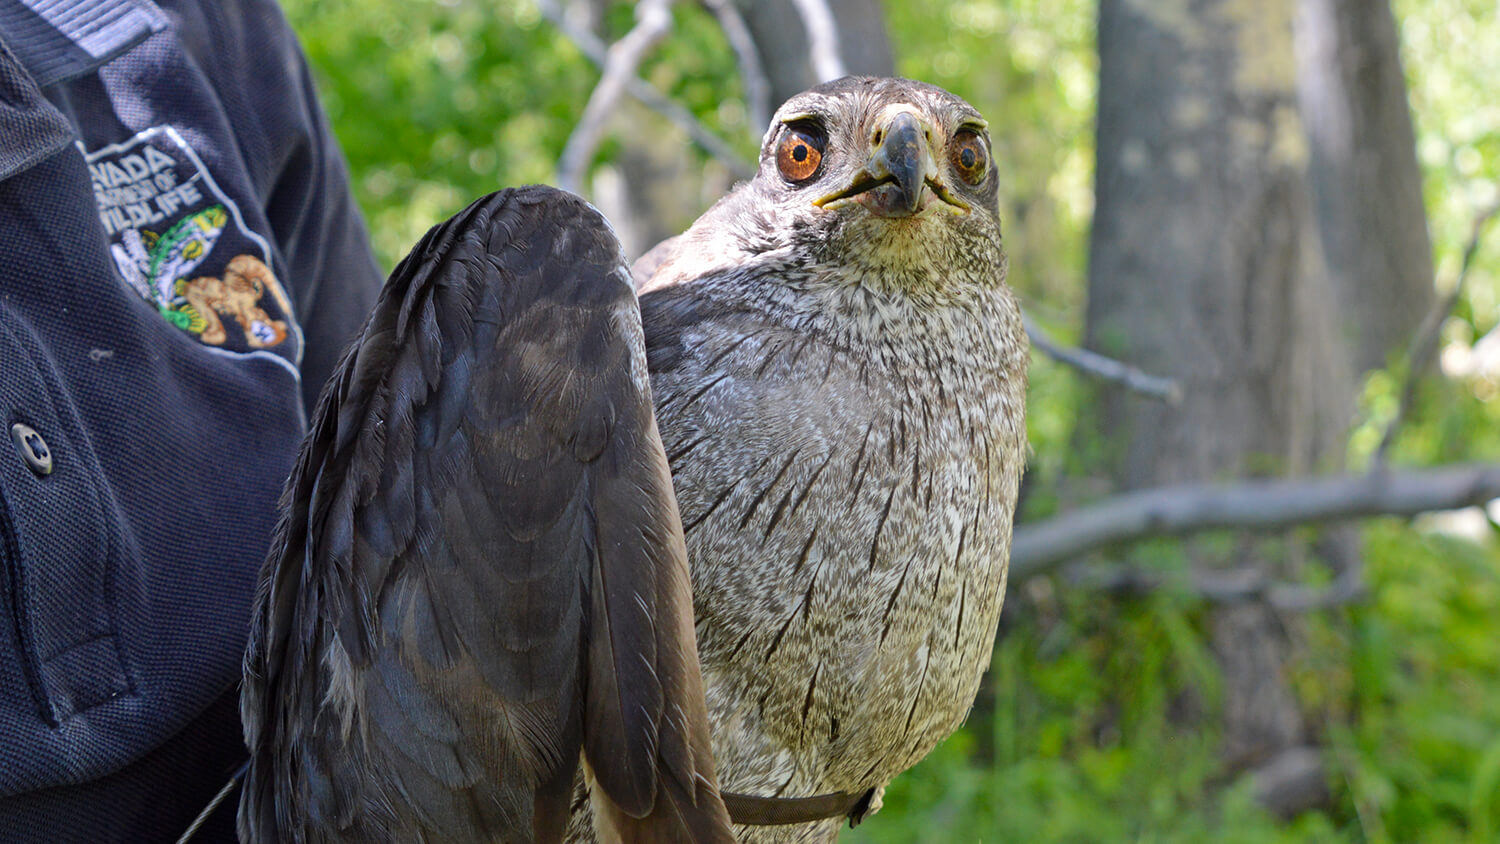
(799, 154)
(969, 156)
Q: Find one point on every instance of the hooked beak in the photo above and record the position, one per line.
(900, 170)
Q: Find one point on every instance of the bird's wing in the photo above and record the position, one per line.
(480, 567)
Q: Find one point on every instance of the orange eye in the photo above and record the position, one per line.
(969, 156)
(799, 155)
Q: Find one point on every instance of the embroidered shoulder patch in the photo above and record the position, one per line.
(181, 244)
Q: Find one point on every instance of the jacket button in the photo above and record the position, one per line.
(32, 448)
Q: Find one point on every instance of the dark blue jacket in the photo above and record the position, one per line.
(180, 264)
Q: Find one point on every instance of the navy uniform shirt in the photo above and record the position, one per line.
(180, 265)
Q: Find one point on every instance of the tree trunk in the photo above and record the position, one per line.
(783, 42)
(1206, 266)
(1367, 188)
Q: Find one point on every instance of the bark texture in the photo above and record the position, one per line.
(1206, 267)
(1205, 262)
(1366, 186)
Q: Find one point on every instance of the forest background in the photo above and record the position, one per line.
(1316, 680)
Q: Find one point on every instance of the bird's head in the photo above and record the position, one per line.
(890, 181)
(901, 150)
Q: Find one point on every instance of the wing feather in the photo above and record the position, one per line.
(479, 573)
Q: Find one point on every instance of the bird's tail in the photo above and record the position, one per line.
(678, 817)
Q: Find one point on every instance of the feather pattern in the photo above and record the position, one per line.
(842, 394)
(480, 575)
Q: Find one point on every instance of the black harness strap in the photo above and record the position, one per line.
(778, 811)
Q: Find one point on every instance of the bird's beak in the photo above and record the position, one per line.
(895, 180)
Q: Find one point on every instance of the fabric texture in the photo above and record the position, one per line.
(182, 265)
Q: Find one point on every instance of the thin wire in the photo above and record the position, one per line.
(213, 804)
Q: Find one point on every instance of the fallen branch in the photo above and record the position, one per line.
(1254, 505)
(1425, 340)
(1103, 368)
(596, 51)
(653, 20)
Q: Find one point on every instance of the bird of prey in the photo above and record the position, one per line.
(745, 529)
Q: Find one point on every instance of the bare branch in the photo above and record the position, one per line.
(822, 39)
(1221, 586)
(752, 72)
(1103, 368)
(1424, 342)
(597, 52)
(1255, 505)
(653, 19)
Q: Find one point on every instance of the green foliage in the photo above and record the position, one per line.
(436, 103)
(1091, 734)
(439, 101)
(1450, 421)
(1426, 669)
(1451, 77)
(1451, 68)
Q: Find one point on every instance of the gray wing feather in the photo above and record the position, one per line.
(479, 570)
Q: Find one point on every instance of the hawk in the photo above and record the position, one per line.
(724, 555)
